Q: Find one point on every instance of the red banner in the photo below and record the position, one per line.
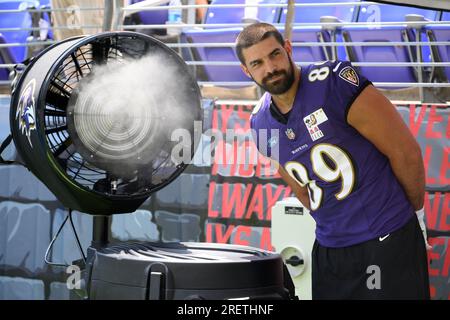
(244, 186)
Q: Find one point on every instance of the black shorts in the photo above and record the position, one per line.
(392, 267)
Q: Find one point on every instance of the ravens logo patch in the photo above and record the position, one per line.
(349, 75)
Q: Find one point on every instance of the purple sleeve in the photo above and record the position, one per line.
(347, 85)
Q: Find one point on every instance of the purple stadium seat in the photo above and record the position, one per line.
(313, 14)
(234, 73)
(390, 13)
(386, 53)
(148, 17)
(305, 53)
(345, 13)
(216, 73)
(153, 16)
(5, 52)
(5, 58)
(46, 17)
(445, 16)
(3, 71)
(16, 20)
(235, 15)
(441, 53)
(380, 33)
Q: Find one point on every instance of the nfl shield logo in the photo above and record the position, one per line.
(290, 134)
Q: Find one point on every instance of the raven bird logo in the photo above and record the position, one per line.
(349, 75)
(26, 114)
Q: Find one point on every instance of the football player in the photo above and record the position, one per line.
(348, 156)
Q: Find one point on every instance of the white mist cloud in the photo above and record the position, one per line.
(126, 110)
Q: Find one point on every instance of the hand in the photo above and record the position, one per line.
(421, 217)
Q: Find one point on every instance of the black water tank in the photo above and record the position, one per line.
(177, 271)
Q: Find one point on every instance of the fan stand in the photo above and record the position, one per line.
(100, 231)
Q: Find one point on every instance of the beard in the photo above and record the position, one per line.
(285, 79)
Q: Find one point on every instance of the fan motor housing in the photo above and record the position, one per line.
(44, 123)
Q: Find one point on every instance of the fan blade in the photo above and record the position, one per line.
(60, 88)
(57, 129)
(57, 100)
(77, 65)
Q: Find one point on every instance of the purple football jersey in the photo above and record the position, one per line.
(354, 194)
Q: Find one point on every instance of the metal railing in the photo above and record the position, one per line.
(33, 43)
(114, 14)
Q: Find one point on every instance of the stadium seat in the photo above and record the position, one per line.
(208, 54)
(228, 35)
(224, 35)
(153, 16)
(386, 53)
(391, 13)
(5, 58)
(373, 32)
(304, 53)
(3, 71)
(439, 53)
(301, 53)
(149, 17)
(236, 15)
(46, 18)
(313, 14)
(16, 20)
(345, 13)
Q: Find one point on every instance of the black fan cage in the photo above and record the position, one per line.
(60, 89)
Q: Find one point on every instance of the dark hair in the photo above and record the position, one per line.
(254, 34)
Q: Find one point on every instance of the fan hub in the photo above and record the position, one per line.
(110, 132)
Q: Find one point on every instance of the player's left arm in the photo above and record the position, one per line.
(374, 116)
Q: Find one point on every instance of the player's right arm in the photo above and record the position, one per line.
(300, 192)
(376, 118)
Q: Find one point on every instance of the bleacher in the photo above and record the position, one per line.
(392, 45)
(377, 38)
